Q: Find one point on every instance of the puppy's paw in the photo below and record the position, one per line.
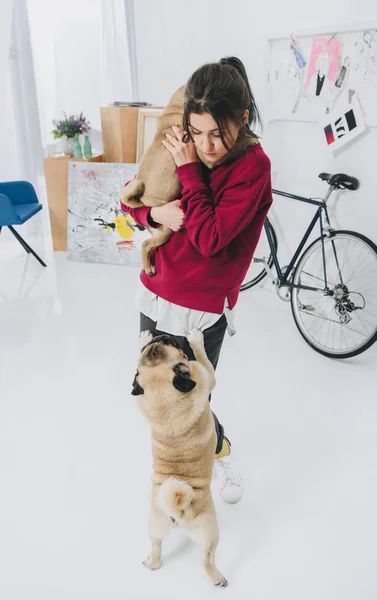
(144, 338)
(219, 580)
(195, 337)
(150, 270)
(152, 564)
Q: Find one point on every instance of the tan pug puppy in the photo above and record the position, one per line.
(156, 182)
(173, 395)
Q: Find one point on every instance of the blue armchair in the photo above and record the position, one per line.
(18, 203)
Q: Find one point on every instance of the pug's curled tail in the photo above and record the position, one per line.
(175, 498)
(132, 193)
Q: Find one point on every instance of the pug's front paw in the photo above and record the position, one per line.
(144, 338)
(195, 338)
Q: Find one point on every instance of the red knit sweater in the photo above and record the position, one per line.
(206, 261)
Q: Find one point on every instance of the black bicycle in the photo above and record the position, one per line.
(332, 284)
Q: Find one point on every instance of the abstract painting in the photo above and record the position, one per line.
(98, 231)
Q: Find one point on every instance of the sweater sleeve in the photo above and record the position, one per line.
(212, 228)
(141, 215)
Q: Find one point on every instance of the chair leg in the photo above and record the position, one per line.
(21, 240)
(26, 246)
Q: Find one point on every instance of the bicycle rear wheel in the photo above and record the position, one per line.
(257, 270)
(341, 322)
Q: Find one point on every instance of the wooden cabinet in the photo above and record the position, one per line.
(56, 173)
(119, 133)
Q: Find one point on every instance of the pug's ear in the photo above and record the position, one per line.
(182, 381)
(137, 390)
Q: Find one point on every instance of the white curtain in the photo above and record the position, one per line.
(8, 151)
(24, 96)
(6, 7)
(21, 157)
(119, 55)
(20, 148)
(131, 37)
(84, 58)
(67, 48)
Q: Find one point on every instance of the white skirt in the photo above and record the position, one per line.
(178, 320)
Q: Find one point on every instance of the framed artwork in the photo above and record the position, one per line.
(147, 125)
(98, 231)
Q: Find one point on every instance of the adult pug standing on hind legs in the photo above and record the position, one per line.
(173, 395)
(156, 182)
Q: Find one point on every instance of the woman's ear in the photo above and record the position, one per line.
(245, 117)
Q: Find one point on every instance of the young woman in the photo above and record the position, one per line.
(226, 194)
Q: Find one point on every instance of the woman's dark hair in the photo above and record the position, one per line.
(222, 89)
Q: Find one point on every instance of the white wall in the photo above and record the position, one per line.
(173, 39)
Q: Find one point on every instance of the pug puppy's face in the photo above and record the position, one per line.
(162, 367)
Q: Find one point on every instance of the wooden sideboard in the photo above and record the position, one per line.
(56, 173)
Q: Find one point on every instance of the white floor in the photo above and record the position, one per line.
(75, 455)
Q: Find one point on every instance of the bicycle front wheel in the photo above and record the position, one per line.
(339, 322)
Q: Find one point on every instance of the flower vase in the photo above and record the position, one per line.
(70, 142)
(77, 150)
(87, 148)
(64, 145)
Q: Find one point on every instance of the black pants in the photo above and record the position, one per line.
(213, 340)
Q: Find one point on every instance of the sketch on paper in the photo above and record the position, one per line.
(365, 55)
(343, 125)
(328, 67)
(283, 85)
(98, 231)
(323, 69)
(363, 73)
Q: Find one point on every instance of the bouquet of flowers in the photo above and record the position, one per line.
(70, 126)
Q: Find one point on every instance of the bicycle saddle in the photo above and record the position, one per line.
(340, 180)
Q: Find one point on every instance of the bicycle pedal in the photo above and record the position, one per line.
(308, 307)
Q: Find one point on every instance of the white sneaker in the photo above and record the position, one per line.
(231, 486)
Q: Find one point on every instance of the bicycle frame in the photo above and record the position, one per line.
(325, 232)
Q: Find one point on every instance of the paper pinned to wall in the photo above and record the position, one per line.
(300, 59)
(343, 125)
(283, 85)
(322, 71)
(336, 61)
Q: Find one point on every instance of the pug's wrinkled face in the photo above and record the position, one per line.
(162, 363)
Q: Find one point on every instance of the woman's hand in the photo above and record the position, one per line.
(171, 215)
(182, 153)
